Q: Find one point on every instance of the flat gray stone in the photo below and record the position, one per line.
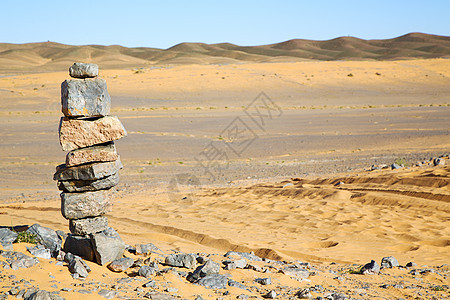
(7, 237)
(76, 186)
(181, 260)
(98, 153)
(298, 273)
(42, 295)
(214, 281)
(85, 98)
(83, 205)
(389, 262)
(83, 70)
(147, 271)
(87, 226)
(235, 264)
(79, 245)
(108, 246)
(92, 171)
(85, 132)
(39, 251)
(121, 264)
(47, 237)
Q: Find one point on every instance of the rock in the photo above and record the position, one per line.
(47, 237)
(108, 294)
(76, 266)
(108, 246)
(97, 153)
(253, 267)
(214, 281)
(234, 283)
(150, 284)
(79, 133)
(249, 256)
(83, 205)
(181, 260)
(146, 248)
(263, 281)
(210, 267)
(438, 162)
(7, 237)
(389, 262)
(83, 70)
(298, 273)
(304, 294)
(85, 98)
(92, 171)
(87, 226)
(270, 295)
(371, 268)
(411, 264)
(39, 251)
(147, 271)
(158, 296)
(19, 260)
(235, 264)
(336, 296)
(43, 295)
(395, 166)
(121, 264)
(80, 245)
(89, 185)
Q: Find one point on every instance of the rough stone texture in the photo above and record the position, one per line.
(88, 225)
(77, 266)
(108, 294)
(371, 268)
(146, 248)
(214, 281)
(296, 272)
(83, 205)
(235, 264)
(147, 271)
(264, 281)
(80, 245)
(83, 70)
(39, 251)
(43, 295)
(181, 260)
(249, 256)
(77, 186)
(108, 246)
(79, 133)
(210, 267)
(7, 237)
(389, 262)
(47, 237)
(85, 98)
(121, 264)
(97, 153)
(91, 172)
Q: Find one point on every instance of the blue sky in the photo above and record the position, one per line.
(164, 23)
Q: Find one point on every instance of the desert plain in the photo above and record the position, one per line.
(269, 157)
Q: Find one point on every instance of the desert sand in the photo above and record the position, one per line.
(331, 121)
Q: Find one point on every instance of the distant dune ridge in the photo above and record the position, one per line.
(54, 56)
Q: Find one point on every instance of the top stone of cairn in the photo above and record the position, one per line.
(82, 70)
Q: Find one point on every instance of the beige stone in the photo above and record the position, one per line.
(97, 153)
(85, 132)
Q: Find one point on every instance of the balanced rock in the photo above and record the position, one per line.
(84, 132)
(108, 246)
(83, 205)
(80, 246)
(97, 153)
(83, 70)
(85, 98)
(88, 225)
(92, 171)
(76, 186)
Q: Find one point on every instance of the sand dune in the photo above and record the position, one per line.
(54, 56)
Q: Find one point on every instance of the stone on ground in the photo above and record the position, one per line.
(181, 260)
(47, 237)
(108, 246)
(121, 264)
(389, 262)
(80, 133)
(7, 237)
(370, 268)
(83, 205)
(80, 245)
(214, 281)
(210, 267)
(87, 226)
(97, 153)
(83, 70)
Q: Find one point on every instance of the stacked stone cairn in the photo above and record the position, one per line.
(88, 132)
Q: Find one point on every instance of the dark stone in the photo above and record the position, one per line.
(80, 245)
(47, 237)
(371, 268)
(90, 172)
(108, 246)
(181, 260)
(85, 98)
(89, 185)
(270, 295)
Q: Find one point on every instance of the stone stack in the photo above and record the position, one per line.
(88, 132)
